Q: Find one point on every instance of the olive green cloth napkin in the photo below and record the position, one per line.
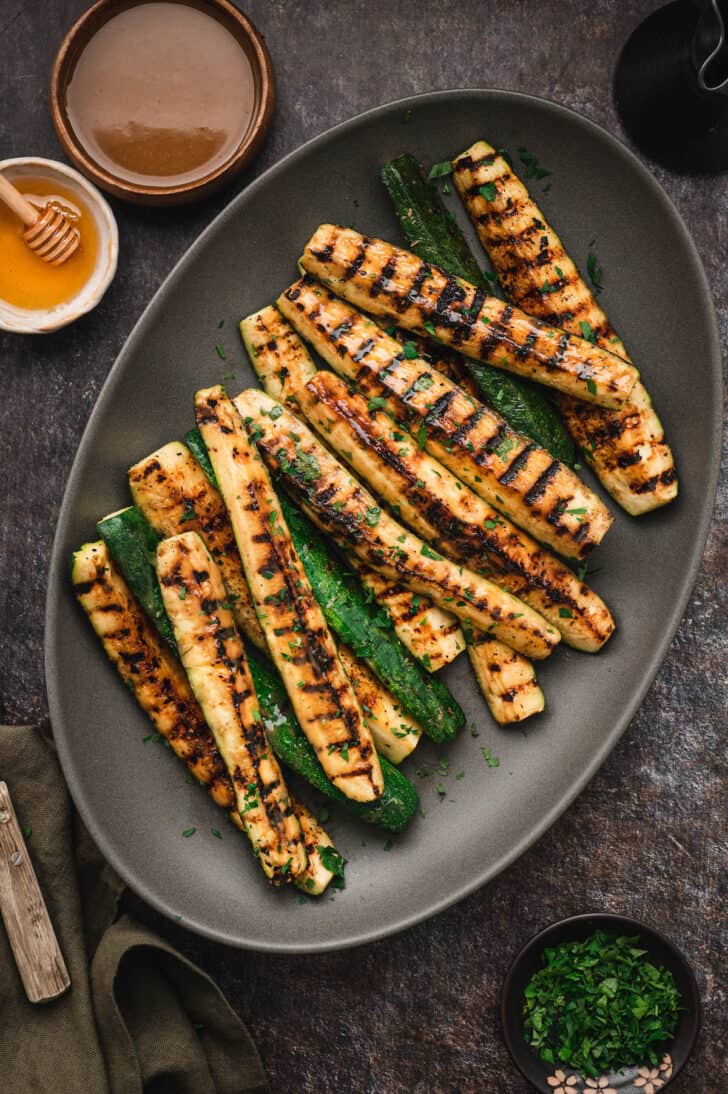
(138, 1017)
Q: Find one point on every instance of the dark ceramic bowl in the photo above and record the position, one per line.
(646, 1079)
(250, 41)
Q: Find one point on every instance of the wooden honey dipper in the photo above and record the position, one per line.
(48, 232)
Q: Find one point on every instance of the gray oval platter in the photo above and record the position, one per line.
(133, 795)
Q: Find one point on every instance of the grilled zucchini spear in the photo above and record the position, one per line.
(214, 659)
(153, 674)
(296, 632)
(507, 680)
(350, 514)
(395, 734)
(394, 283)
(624, 447)
(455, 520)
(359, 626)
(513, 474)
(432, 501)
(284, 367)
(433, 234)
(170, 489)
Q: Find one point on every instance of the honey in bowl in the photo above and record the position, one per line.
(26, 281)
(161, 95)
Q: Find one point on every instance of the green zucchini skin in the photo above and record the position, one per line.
(430, 230)
(132, 544)
(399, 801)
(362, 626)
(193, 440)
(432, 233)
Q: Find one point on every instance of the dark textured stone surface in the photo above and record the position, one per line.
(417, 1012)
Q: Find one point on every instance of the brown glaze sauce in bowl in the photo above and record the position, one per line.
(161, 100)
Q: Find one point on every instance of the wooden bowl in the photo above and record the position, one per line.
(180, 193)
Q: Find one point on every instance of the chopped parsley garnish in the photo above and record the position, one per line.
(600, 1005)
(430, 328)
(216, 833)
(534, 170)
(592, 388)
(189, 832)
(595, 272)
(189, 513)
(409, 349)
(422, 383)
(565, 613)
(303, 466)
(490, 759)
(504, 447)
(372, 515)
(332, 861)
(377, 403)
(586, 331)
(182, 593)
(488, 191)
(440, 170)
(429, 553)
(220, 351)
(422, 436)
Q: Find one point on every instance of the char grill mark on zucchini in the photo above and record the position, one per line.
(214, 658)
(433, 234)
(296, 632)
(624, 447)
(507, 470)
(445, 513)
(362, 627)
(172, 491)
(395, 734)
(431, 635)
(507, 680)
(148, 668)
(350, 514)
(396, 284)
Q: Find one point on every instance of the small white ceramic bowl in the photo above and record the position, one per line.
(45, 320)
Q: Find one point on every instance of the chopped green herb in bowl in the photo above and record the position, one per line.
(600, 1004)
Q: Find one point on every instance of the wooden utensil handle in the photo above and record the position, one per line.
(28, 925)
(15, 201)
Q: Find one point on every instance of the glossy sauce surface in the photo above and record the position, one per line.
(26, 281)
(161, 95)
